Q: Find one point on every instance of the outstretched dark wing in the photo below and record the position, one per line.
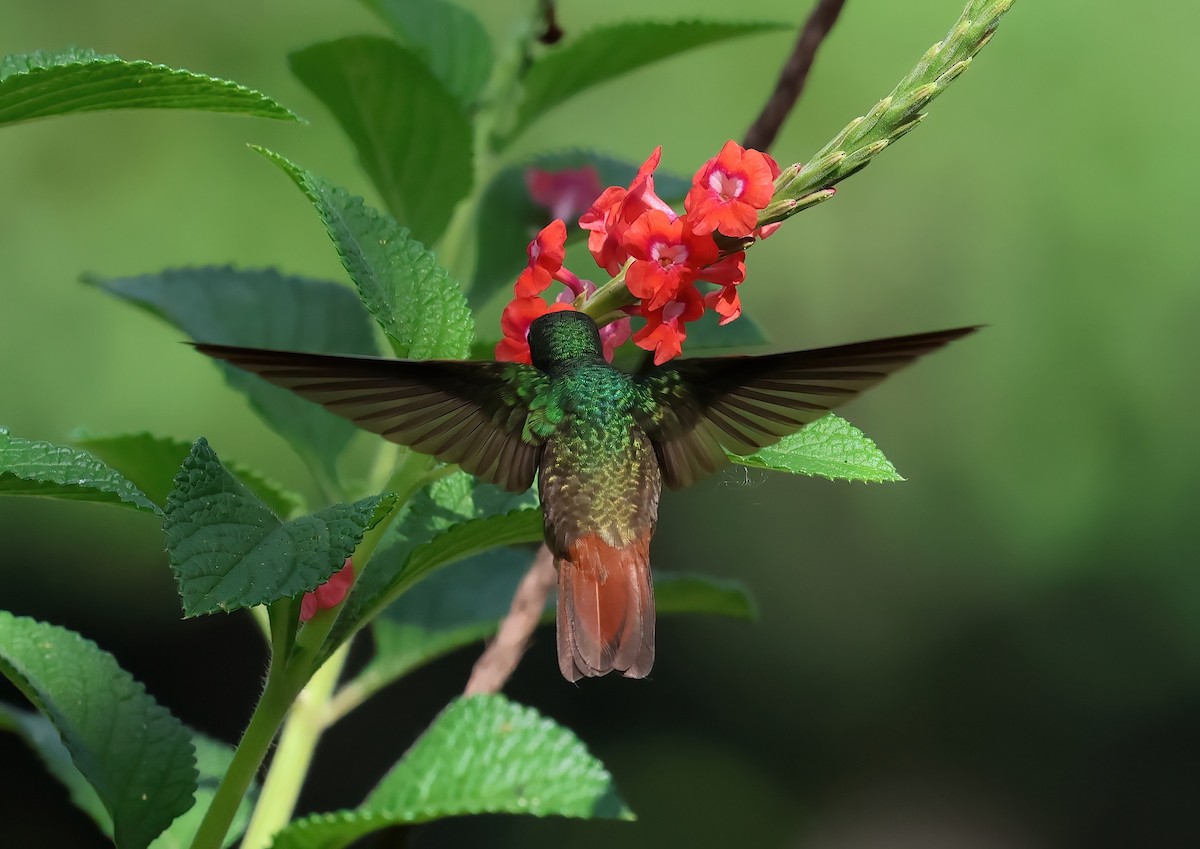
(472, 414)
(703, 406)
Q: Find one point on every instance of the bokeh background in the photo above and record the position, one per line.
(1004, 651)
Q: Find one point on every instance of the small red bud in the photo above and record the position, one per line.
(329, 594)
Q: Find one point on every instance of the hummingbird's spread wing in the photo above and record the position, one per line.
(469, 413)
(703, 406)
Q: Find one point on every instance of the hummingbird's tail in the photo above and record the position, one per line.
(605, 609)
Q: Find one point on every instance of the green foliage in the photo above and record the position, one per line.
(266, 309)
(706, 335)
(451, 519)
(39, 734)
(608, 52)
(150, 463)
(136, 756)
(212, 759)
(412, 136)
(678, 592)
(44, 83)
(831, 448)
(862, 139)
(448, 38)
(229, 551)
(450, 609)
(416, 302)
(57, 471)
(509, 218)
(483, 754)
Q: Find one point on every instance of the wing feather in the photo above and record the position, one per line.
(704, 406)
(469, 413)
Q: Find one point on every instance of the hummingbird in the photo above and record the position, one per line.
(600, 441)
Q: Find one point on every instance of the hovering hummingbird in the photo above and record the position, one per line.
(600, 441)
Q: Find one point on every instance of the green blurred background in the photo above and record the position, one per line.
(1003, 651)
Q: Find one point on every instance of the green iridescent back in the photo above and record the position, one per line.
(598, 474)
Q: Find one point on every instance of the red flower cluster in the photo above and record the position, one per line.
(565, 193)
(546, 254)
(664, 255)
(329, 594)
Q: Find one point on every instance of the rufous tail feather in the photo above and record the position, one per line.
(605, 609)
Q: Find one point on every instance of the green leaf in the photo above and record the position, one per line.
(468, 538)
(136, 756)
(707, 335)
(679, 592)
(212, 760)
(452, 608)
(830, 447)
(151, 462)
(57, 471)
(229, 551)
(483, 754)
(453, 518)
(608, 52)
(465, 603)
(509, 218)
(41, 736)
(263, 309)
(447, 37)
(412, 136)
(44, 83)
(417, 303)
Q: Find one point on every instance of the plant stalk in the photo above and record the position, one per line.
(272, 707)
(302, 730)
(864, 138)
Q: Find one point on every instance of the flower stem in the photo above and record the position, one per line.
(865, 137)
(256, 741)
(305, 723)
(291, 672)
(609, 298)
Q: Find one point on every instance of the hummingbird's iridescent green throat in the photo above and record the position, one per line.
(600, 442)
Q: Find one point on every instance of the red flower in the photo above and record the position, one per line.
(546, 254)
(729, 189)
(766, 230)
(727, 274)
(729, 271)
(565, 193)
(664, 255)
(614, 335)
(514, 323)
(612, 213)
(330, 594)
(664, 331)
(668, 256)
(725, 302)
(604, 245)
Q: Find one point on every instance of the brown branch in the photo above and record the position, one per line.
(553, 33)
(765, 128)
(500, 659)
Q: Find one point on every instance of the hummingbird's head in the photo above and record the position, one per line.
(558, 339)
